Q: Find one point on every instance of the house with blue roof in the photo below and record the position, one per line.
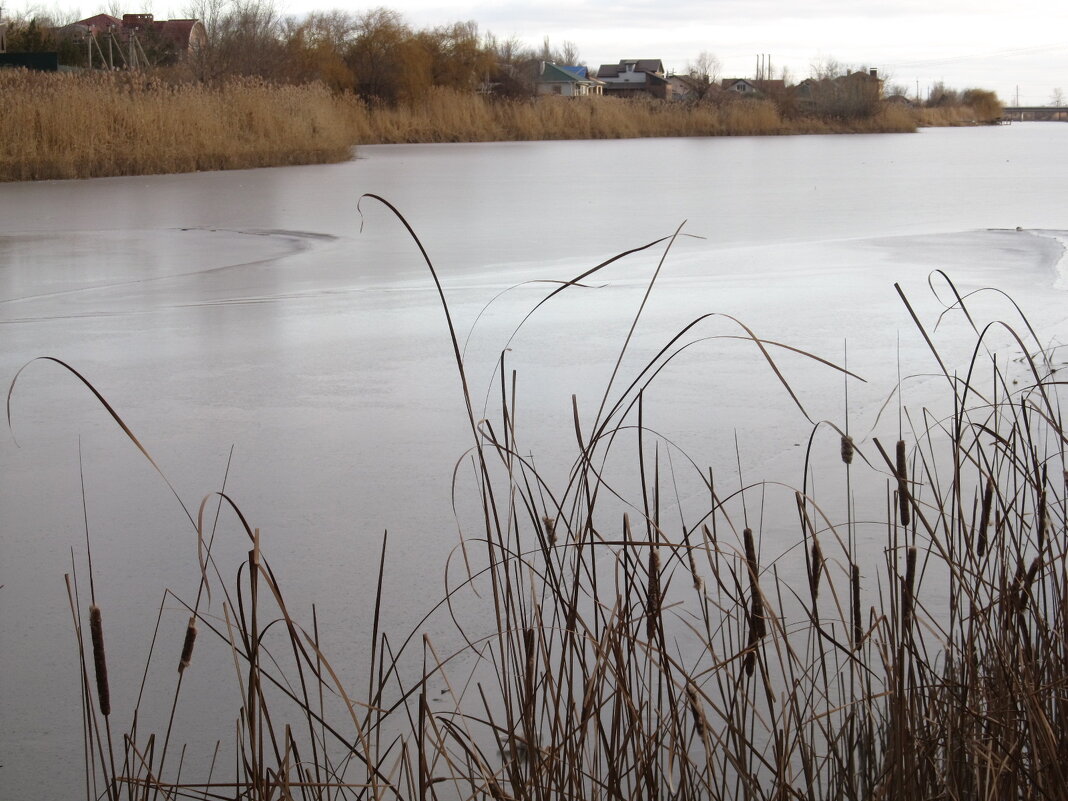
(569, 81)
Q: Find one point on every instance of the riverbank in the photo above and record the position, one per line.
(93, 125)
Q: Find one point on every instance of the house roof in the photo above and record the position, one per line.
(99, 22)
(755, 85)
(651, 66)
(550, 73)
(730, 83)
(180, 31)
(577, 71)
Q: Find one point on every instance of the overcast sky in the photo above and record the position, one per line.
(1008, 46)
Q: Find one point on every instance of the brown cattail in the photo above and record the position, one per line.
(816, 569)
(696, 710)
(187, 646)
(531, 654)
(984, 516)
(757, 625)
(854, 593)
(908, 590)
(550, 529)
(652, 605)
(1040, 525)
(902, 483)
(549, 524)
(1027, 580)
(698, 583)
(96, 630)
(847, 449)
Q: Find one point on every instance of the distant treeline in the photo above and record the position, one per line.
(268, 90)
(377, 55)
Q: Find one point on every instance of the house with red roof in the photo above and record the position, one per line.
(177, 37)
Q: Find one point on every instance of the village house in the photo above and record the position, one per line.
(635, 78)
(566, 81)
(757, 87)
(177, 36)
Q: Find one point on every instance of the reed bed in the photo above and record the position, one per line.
(84, 125)
(626, 651)
(446, 115)
(64, 125)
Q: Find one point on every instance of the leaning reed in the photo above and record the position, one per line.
(629, 652)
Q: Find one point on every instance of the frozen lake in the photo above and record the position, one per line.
(249, 310)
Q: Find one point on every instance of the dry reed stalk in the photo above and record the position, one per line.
(854, 594)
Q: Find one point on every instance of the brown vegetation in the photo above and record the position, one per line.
(81, 125)
(63, 125)
(445, 116)
(256, 94)
(628, 653)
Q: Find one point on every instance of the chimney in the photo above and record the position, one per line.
(874, 73)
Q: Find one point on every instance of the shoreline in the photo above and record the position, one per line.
(104, 125)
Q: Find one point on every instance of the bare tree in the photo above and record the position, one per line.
(827, 69)
(1057, 98)
(702, 74)
(569, 53)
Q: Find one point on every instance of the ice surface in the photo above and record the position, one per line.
(248, 309)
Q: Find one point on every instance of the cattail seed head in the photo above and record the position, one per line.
(698, 583)
(96, 631)
(1027, 580)
(816, 569)
(1040, 524)
(549, 525)
(694, 702)
(653, 600)
(908, 590)
(757, 625)
(984, 516)
(847, 449)
(187, 646)
(902, 483)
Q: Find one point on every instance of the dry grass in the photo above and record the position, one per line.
(98, 124)
(953, 116)
(86, 125)
(628, 653)
(451, 116)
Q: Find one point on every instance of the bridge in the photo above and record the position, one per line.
(1022, 113)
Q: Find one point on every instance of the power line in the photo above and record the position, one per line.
(977, 56)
